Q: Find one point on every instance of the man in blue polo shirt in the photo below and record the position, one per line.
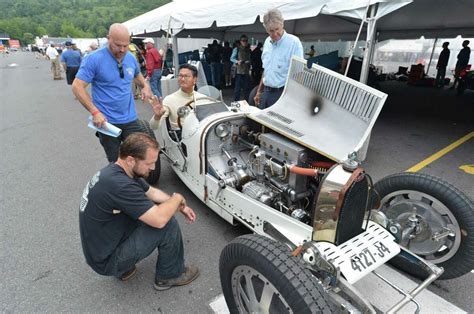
(71, 60)
(111, 70)
(278, 49)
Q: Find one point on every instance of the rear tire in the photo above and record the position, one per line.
(438, 206)
(259, 275)
(154, 175)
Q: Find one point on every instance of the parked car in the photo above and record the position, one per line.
(292, 174)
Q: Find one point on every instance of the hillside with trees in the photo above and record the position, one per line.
(25, 19)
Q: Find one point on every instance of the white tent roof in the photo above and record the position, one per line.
(310, 20)
(431, 19)
(219, 17)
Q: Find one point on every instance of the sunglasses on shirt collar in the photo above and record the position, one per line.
(120, 68)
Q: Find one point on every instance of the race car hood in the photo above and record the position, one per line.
(324, 111)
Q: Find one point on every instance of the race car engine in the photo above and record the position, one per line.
(292, 179)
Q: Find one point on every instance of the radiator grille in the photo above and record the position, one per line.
(353, 209)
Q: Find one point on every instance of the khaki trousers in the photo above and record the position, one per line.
(55, 67)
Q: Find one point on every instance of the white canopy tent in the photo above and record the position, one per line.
(310, 20)
(219, 18)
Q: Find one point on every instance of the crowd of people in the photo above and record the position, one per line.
(247, 65)
(239, 63)
(68, 58)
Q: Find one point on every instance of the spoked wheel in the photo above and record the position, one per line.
(246, 282)
(259, 275)
(436, 220)
(154, 175)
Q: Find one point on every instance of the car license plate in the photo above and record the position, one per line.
(363, 253)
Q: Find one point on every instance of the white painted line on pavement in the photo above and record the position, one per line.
(218, 305)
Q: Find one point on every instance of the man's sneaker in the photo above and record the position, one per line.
(190, 273)
(129, 274)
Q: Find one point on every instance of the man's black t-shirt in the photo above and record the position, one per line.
(111, 204)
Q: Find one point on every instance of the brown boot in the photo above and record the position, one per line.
(190, 273)
(129, 274)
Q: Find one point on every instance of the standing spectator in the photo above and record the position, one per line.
(442, 64)
(256, 60)
(311, 52)
(169, 58)
(110, 70)
(74, 47)
(226, 53)
(142, 49)
(463, 61)
(215, 56)
(205, 53)
(122, 219)
(92, 47)
(71, 60)
(241, 58)
(278, 49)
(141, 61)
(154, 66)
(53, 56)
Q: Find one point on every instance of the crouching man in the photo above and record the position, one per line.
(123, 220)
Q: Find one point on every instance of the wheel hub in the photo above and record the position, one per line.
(427, 225)
(254, 293)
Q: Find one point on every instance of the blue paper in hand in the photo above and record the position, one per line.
(110, 129)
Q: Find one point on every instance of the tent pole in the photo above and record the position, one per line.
(175, 55)
(431, 57)
(357, 39)
(353, 46)
(369, 45)
(376, 41)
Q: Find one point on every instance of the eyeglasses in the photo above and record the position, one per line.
(244, 40)
(120, 68)
(184, 76)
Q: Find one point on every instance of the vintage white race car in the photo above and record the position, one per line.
(291, 173)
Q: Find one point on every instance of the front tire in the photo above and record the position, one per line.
(154, 175)
(259, 275)
(444, 217)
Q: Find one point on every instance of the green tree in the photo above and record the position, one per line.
(40, 31)
(77, 18)
(28, 38)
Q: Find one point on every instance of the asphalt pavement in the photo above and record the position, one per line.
(48, 155)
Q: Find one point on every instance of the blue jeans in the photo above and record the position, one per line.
(269, 98)
(155, 82)
(111, 144)
(142, 242)
(216, 74)
(241, 81)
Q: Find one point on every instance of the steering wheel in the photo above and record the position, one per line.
(188, 104)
